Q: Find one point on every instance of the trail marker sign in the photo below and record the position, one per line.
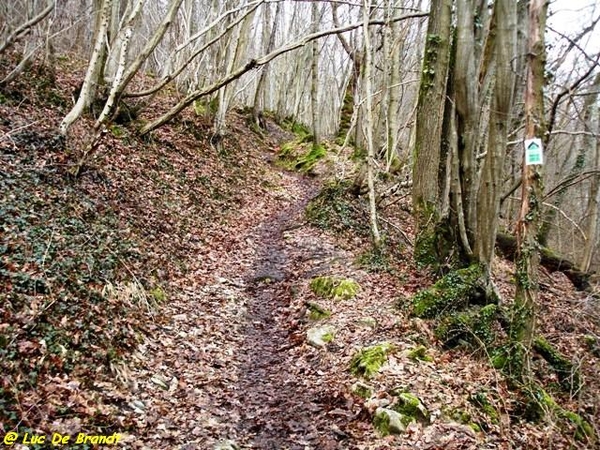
(534, 153)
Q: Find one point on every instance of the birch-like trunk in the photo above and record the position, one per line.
(368, 105)
(314, 79)
(592, 122)
(87, 89)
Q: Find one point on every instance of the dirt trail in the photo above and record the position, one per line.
(278, 409)
(227, 360)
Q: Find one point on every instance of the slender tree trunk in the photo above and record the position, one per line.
(87, 88)
(314, 86)
(368, 104)
(591, 116)
(524, 310)
(489, 193)
(256, 104)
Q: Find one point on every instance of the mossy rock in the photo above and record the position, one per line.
(474, 326)
(419, 354)
(320, 336)
(369, 360)
(568, 375)
(387, 421)
(316, 311)
(362, 390)
(299, 156)
(480, 400)
(409, 405)
(452, 292)
(334, 287)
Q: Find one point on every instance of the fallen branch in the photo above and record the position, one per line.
(507, 244)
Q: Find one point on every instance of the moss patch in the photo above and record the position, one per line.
(369, 360)
(539, 403)
(409, 405)
(297, 155)
(420, 354)
(316, 311)
(568, 375)
(387, 421)
(452, 292)
(362, 390)
(474, 326)
(335, 288)
(480, 400)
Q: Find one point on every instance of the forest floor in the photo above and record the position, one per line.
(164, 294)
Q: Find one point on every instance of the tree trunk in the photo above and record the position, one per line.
(314, 86)
(256, 104)
(591, 143)
(524, 316)
(428, 131)
(87, 89)
(368, 104)
(488, 196)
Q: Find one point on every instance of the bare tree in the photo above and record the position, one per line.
(524, 316)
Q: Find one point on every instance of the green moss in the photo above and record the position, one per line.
(452, 292)
(420, 354)
(474, 326)
(541, 403)
(335, 288)
(480, 400)
(117, 131)
(301, 131)
(567, 373)
(158, 294)
(328, 337)
(425, 252)
(410, 406)
(369, 360)
(362, 390)
(296, 155)
(199, 108)
(317, 312)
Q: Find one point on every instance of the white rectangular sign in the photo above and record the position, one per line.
(534, 153)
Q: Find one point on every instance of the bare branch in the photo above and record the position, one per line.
(25, 27)
(254, 63)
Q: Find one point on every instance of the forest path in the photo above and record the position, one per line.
(227, 360)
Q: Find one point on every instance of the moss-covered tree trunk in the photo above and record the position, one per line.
(428, 134)
(523, 318)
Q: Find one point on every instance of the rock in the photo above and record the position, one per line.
(362, 389)
(367, 322)
(410, 405)
(367, 361)
(316, 311)
(226, 445)
(388, 421)
(320, 336)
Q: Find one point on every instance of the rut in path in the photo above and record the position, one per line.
(281, 410)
